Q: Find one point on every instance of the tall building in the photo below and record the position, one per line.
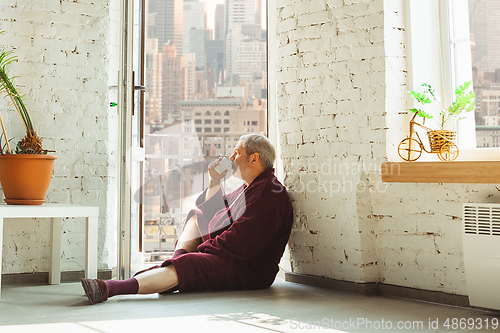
(250, 66)
(154, 82)
(151, 18)
(169, 18)
(197, 38)
(201, 86)
(485, 49)
(174, 83)
(485, 28)
(488, 106)
(233, 40)
(190, 68)
(219, 23)
(243, 12)
(215, 59)
(194, 25)
(243, 24)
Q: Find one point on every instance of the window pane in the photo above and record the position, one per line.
(485, 44)
(205, 60)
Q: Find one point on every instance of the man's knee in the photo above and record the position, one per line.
(193, 220)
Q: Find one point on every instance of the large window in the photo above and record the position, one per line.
(485, 45)
(475, 54)
(451, 42)
(208, 59)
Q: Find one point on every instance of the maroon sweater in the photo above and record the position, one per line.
(245, 234)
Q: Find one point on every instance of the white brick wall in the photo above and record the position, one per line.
(330, 57)
(341, 88)
(342, 78)
(65, 66)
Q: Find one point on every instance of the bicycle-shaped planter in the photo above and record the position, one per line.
(441, 143)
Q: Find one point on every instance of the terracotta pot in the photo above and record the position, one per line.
(25, 178)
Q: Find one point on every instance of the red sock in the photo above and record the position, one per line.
(123, 287)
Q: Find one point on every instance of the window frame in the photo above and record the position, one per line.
(457, 67)
(471, 159)
(449, 69)
(272, 109)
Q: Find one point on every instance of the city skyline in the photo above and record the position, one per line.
(485, 48)
(191, 61)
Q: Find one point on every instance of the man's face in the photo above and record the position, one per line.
(240, 160)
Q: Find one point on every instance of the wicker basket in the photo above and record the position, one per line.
(439, 138)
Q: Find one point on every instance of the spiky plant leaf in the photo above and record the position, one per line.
(8, 87)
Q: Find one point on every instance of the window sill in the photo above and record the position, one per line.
(469, 172)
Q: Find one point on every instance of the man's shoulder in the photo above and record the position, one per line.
(269, 186)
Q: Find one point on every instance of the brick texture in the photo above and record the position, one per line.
(65, 66)
(342, 101)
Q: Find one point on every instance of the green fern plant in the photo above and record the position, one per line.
(464, 102)
(31, 143)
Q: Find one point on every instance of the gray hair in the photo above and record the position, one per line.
(257, 143)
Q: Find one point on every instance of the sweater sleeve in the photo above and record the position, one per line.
(250, 233)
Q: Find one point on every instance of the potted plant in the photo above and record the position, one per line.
(26, 170)
(464, 103)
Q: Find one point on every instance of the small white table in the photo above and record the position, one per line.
(57, 212)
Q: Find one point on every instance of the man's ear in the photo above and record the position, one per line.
(255, 158)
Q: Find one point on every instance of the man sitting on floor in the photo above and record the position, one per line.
(230, 242)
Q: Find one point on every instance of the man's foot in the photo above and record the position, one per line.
(95, 289)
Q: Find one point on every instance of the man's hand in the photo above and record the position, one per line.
(215, 177)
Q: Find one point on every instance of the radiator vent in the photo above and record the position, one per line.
(481, 228)
(482, 219)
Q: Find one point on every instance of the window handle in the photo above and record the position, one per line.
(135, 88)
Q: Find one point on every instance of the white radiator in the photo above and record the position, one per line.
(481, 240)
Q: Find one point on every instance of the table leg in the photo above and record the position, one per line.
(55, 261)
(91, 248)
(1, 247)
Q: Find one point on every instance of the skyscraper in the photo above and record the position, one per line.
(250, 65)
(219, 23)
(243, 23)
(485, 47)
(233, 40)
(194, 25)
(197, 38)
(215, 58)
(190, 68)
(243, 12)
(485, 27)
(174, 83)
(169, 18)
(153, 82)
